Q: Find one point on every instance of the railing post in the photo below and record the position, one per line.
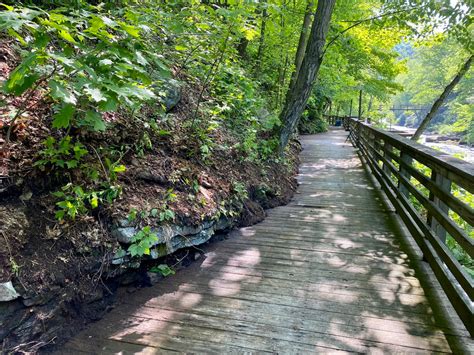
(405, 158)
(358, 132)
(445, 185)
(387, 148)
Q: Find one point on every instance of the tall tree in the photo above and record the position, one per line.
(442, 98)
(261, 42)
(304, 34)
(297, 97)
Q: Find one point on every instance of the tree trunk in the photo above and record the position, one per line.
(441, 99)
(302, 42)
(297, 97)
(261, 42)
(283, 76)
(242, 48)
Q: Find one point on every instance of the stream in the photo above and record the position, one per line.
(451, 147)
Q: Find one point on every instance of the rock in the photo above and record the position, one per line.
(26, 195)
(124, 234)
(128, 278)
(148, 176)
(171, 237)
(223, 223)
(38, 299)
(197, 256)
(10, 316)
(154, 277)
(8, 292)
(172, 95)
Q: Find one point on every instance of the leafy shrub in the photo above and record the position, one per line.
(87, 61)
(142, 242)
(312, 120)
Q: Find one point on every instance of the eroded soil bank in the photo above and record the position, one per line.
(66, 275)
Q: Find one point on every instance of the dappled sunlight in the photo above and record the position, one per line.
(190, 300)
(326, 163)
(308, 279)
(247, 232)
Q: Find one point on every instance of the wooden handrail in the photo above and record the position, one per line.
(424, 199)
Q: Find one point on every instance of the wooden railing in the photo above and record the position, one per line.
(333, 120)
(430, 191)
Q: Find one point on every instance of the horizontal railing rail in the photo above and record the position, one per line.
(433, 193)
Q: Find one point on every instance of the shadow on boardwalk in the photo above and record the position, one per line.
(329, 272)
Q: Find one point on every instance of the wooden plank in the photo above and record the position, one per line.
(322, 257)
(232, 255)
(95, 345)
(163, 333)
(372, 283)
(346, 250)
(288, 329)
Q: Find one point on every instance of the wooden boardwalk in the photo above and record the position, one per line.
(330, 272)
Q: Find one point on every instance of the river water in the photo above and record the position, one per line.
(463, 152)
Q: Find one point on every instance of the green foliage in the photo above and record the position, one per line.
(107, 65)
(240, 191)
(142, 242)
(89, 60)
(431, 66)
(312, 120)
(74, 200)
(162, 269)
(63, 154)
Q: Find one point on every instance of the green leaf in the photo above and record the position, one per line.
(59, 214)
(9, 8)
(95, 94)
(119, 168)
(109, 105)
(94, 120)
(71, 164)
(60, 92)
(28, 83)
(41, 40)
(66, 36)
(62, 119)
(109, 22)
(135, 250)
(141, 59)
(20, 79)
(131, 30)
(162, 269)
(94, 201)
(15, 34)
